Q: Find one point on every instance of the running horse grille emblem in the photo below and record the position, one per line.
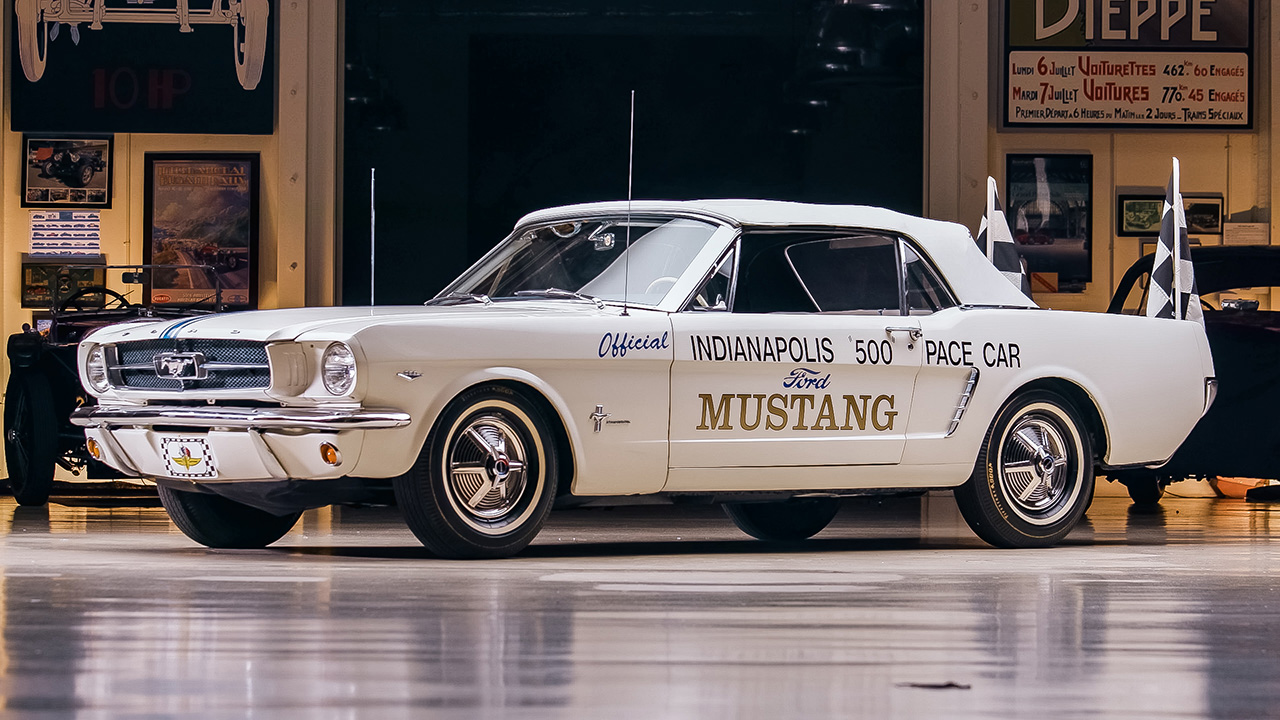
(181, 366)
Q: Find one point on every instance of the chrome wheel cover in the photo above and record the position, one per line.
(489, 474)
(1038, 467)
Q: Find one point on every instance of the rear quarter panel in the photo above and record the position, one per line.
(1144, 376)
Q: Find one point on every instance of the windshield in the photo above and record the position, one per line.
(590, 257)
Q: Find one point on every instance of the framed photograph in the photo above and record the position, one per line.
(1204, 214)
(66, 171)
(1049, 201)
(201, 209)
(1139, 215)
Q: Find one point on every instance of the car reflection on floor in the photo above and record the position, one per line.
(896, 609)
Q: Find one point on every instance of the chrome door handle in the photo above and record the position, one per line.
(913, 334)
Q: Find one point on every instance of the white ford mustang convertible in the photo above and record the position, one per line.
(769, 356)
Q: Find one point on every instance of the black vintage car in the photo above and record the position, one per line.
(44, 386)
(1237, 437)
(73, 164)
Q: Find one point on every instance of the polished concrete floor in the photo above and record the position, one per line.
(894, 611)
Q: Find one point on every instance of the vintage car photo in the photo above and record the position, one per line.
(770, 356)
(1236, 437)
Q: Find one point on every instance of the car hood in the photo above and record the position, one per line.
(290, 324)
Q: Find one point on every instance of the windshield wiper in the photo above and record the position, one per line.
(560, 293)
(460, 296)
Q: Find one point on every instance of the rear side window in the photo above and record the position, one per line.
(925, 292)
(848, 273)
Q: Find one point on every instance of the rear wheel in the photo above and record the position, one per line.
(485, 480)
(1034, 476)
(30, 437)
(789, 520)
(1145, 488)
(217, 522)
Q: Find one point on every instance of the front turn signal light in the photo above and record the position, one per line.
(330, 455)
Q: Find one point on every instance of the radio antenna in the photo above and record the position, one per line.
(373, 228)
(626, 253)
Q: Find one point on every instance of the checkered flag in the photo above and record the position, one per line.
(995, 239)
(1173, 280)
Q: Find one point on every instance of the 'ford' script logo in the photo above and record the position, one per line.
(180, 366)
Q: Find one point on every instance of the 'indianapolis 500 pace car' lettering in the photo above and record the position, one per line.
(721, 348)
(777, 412)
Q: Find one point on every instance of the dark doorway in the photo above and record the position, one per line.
(474, 118)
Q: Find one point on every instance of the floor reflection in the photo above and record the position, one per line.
(895, 610)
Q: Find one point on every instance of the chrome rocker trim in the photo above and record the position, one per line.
(234, 417)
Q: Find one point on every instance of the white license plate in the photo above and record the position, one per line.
(188, 457)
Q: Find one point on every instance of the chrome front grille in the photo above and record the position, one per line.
(228, 364)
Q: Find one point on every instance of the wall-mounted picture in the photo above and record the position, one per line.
(1204, 214)
(201, 212)
(66, 171)
(1140, 215)
(1050, 211)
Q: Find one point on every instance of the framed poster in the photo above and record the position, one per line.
(66, 171)
(1050, 211)
(201, 209)
(1122, 64)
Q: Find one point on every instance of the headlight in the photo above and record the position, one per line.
(95, 370)
(338, 369)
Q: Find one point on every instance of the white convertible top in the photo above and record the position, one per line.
(949, 245)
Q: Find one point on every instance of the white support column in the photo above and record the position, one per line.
(292, 137)
(957, 100)
(325, 68)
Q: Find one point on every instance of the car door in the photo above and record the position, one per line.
(811, 362)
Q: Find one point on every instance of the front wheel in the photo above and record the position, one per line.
(1034, 475)
(30, 437)
(83, 176)
(785, 521)
(217, 522)
(485, 480)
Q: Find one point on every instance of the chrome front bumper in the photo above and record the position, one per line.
(239, 418)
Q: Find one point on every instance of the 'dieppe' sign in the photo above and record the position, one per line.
(1177, 64)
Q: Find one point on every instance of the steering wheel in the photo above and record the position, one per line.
(662, 283)
(76, 298)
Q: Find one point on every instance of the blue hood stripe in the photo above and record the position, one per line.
(172, 330)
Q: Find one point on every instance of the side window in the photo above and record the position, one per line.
(925, 292)
(849, 273)
(714, 293)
